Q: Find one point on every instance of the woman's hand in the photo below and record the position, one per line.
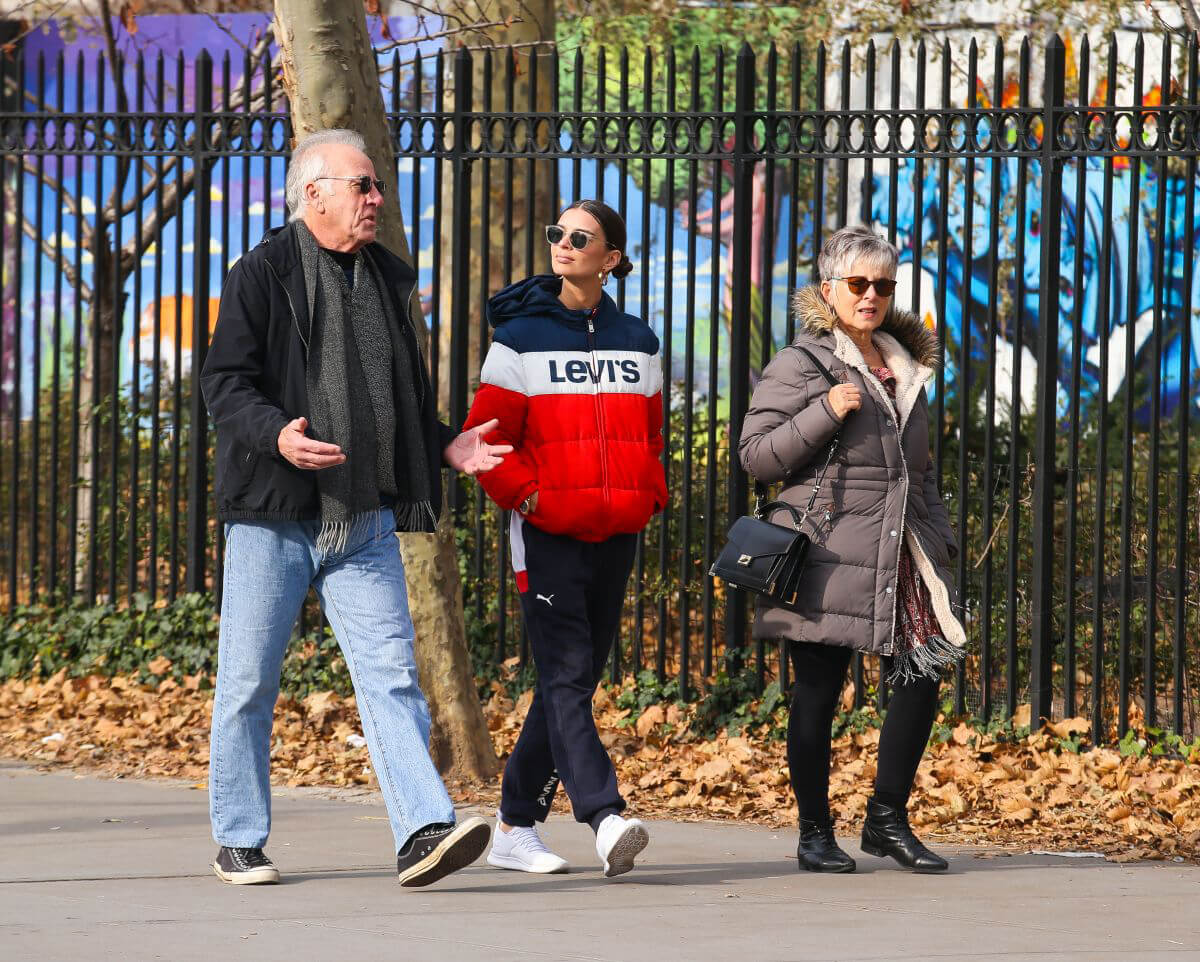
(844, 398)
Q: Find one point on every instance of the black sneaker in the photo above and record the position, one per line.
(245, 866)
(439, 849)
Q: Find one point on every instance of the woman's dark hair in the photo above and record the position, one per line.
(614, 230)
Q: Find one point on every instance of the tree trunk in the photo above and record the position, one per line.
(330, 75)
(533, 22)
(95, 412)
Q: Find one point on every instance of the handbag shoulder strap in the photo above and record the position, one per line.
(761, 490)
(833, 381)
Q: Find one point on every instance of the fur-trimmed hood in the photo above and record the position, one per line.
(814, 315)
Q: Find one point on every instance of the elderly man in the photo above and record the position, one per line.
(327, 442)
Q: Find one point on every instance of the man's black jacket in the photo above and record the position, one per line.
(254, 381)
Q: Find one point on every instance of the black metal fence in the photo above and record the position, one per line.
(1044, 204)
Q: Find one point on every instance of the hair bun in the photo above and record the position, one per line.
(623, 268)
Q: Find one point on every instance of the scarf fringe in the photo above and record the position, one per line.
(925, 661)
(415, 516)
(335, 536)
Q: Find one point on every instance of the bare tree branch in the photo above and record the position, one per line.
(440, 35)
(54, 185)
(36, 26)
(48, 250)
(173, 197)
(22, 7)
(216, 22)
(145, 191)
(1190, 17)
(1187, 11)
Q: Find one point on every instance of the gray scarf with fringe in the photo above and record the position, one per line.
(357, 404)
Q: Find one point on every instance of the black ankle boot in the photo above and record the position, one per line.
(818, 850)
(886, 832)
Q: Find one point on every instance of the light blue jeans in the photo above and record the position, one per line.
(269, 567)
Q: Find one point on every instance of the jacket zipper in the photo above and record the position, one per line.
(415, 342)
(595, 376)
(291, 307)
(890, 647)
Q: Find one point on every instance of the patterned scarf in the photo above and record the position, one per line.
(352, 349)
(922, 651)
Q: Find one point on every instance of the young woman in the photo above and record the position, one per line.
(878, 578)
(577, 388)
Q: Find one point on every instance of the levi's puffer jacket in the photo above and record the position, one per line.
(579, 397)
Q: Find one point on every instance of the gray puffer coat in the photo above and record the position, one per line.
(879, 492)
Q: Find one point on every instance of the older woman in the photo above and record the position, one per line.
(877, 577)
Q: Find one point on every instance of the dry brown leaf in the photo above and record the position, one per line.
(649, 719)
(715, 770)
(159, 666)
(1070, 727)
(128, 16)
(1060, 796)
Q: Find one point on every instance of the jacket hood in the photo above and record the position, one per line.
(814, 315)
(537, 296)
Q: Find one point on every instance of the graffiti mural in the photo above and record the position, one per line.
(1133, 248)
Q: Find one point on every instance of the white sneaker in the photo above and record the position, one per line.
(618, 842)
(522, 850)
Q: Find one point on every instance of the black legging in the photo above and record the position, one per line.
(820, 673)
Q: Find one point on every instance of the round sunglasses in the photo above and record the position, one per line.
(364, 183)
(579, 238)
(884, 287)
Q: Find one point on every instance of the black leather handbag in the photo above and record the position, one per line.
(764, 557)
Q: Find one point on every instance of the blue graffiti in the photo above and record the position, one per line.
(1133, 243)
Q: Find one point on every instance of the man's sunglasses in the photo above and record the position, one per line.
(579, 238)
(364, 183)
(884, 287)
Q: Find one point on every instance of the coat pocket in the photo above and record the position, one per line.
(239, 476)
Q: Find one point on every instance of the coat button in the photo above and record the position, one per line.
(889, 590)
(888, 422)
(893, 533)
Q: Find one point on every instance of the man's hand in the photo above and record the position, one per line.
(471, 455)
(303, 451)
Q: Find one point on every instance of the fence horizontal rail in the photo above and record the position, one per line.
(779, 134)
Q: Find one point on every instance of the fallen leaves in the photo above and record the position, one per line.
(1070, 727)
(971, 788)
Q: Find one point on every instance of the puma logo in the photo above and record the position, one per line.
(549, 599)
(549, 788)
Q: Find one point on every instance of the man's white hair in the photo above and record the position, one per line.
(309, 163)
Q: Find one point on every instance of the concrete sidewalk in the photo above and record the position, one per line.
(101, 869)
